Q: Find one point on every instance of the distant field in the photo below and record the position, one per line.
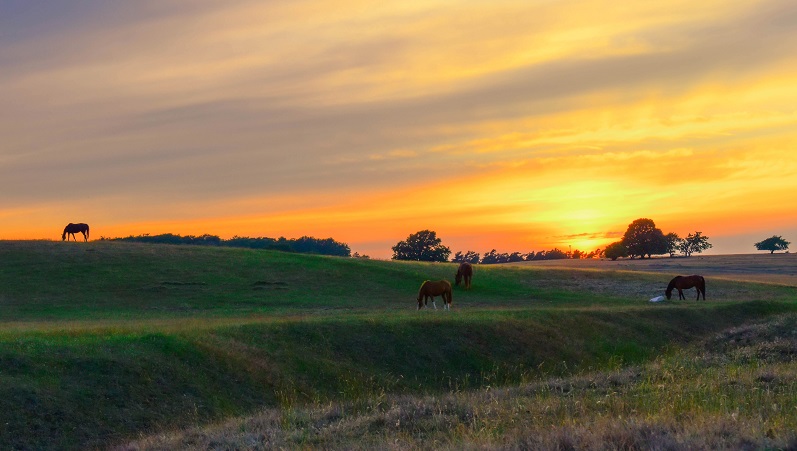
(764, 267)
(101, 343)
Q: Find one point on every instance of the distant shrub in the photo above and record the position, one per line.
(305, 244)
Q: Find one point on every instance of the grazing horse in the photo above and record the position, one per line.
(72, 229)
(465, 270)
(430, 289)
(684, 283)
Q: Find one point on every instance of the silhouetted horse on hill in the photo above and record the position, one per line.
(684, 283)
(72, 229)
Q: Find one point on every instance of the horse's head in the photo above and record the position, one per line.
(668, 293)
(457, 278)
(63, 236)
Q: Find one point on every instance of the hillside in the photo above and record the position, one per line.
(101, 342)
(780, 268)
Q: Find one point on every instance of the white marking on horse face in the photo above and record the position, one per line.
(435, 305)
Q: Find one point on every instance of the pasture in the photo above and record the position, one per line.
(108, 344)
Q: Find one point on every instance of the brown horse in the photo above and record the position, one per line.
(72, 229)
(430, 289)
(465, 270)
(684, 283)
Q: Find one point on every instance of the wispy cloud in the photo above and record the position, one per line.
(569, 117)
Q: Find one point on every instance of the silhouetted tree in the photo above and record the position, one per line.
(421, 246)
(469, 256)
(772, 244)
(643, 238)
(493, 257)
(694, 243)
(555, 254)
(596, 253)
(673, 243)
(615, 250)
(515, 257)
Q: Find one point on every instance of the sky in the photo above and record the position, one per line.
(507, 125)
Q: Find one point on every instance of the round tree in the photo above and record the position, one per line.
(615, 251)
(772, 244)
(421, 246)
(643, 238)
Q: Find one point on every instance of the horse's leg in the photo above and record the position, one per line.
(681, 295)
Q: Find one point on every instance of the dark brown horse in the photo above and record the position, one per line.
(465, 270)
(430, 289)
(684, 283)
(72, 229)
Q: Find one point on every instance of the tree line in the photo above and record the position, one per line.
(426, 246)
(641, 239)
(305, 244)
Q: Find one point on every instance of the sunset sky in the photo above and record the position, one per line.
(514, 125)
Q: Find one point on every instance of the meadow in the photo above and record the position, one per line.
(133, 346)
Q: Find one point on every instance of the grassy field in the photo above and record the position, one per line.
(114, 344)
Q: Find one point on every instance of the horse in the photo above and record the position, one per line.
(465, 270)
(684, 283)
(430, 289)
(72, 229)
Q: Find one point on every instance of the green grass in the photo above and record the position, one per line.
(733, 390)
(101, 342)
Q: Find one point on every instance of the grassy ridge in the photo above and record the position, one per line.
(89, 389)
(734, 390)
(103, 341)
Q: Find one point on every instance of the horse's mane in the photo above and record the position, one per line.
(671, 285)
